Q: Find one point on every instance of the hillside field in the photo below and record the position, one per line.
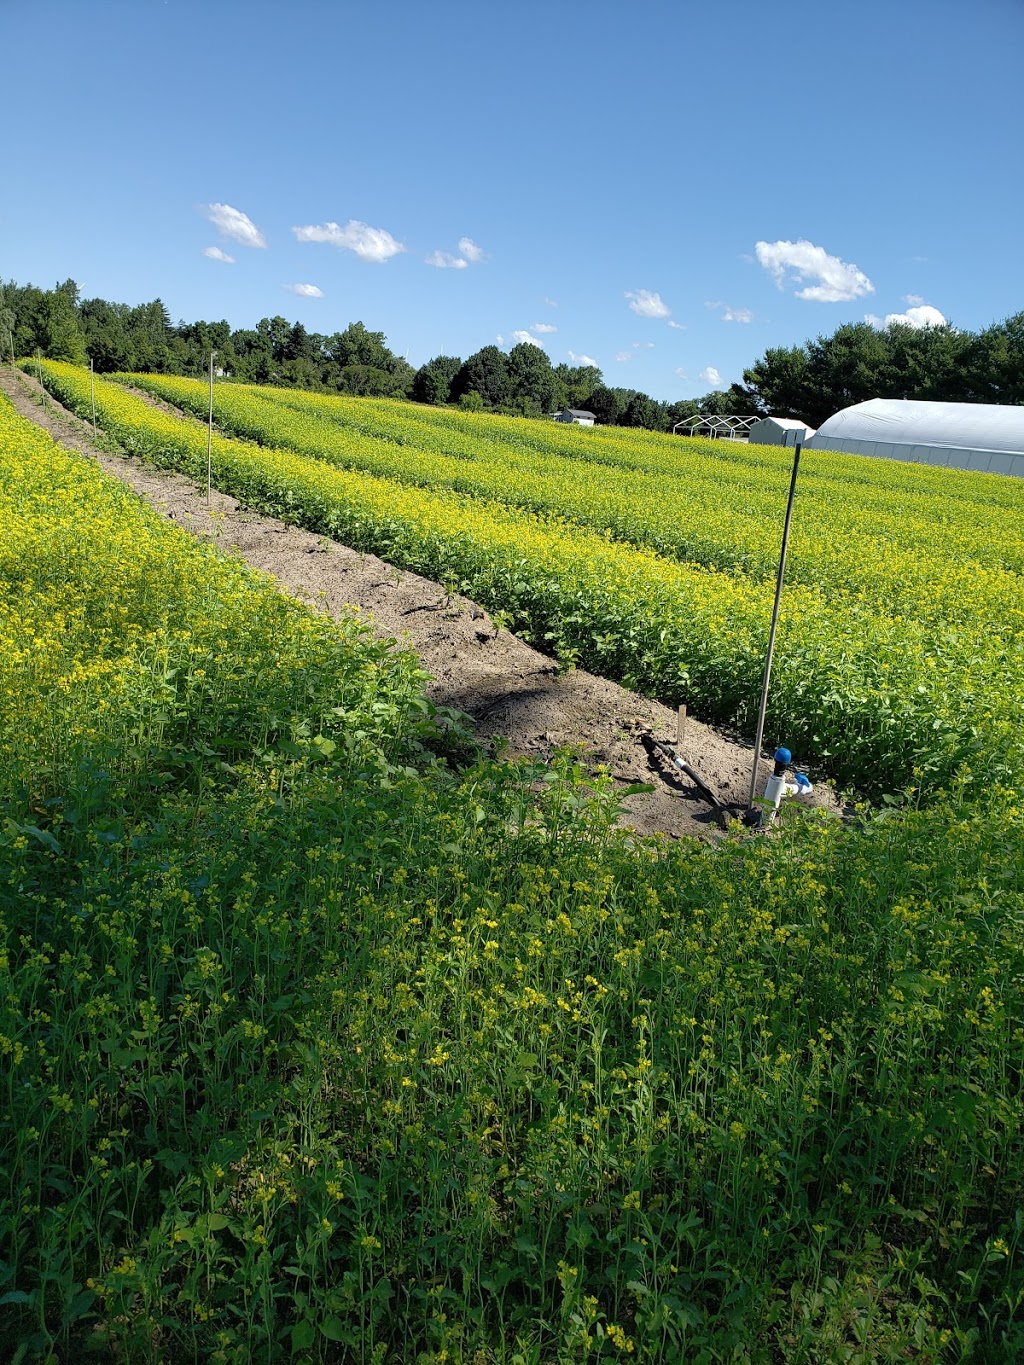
(327, 1038)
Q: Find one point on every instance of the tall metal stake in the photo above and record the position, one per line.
(775, 621)
(92, 390)
(209, 441)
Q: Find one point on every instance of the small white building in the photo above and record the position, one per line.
(779, 431)
(578, 416)
(983, 436)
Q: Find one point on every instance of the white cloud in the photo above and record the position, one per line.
(368, 243)
(550, 303)
(581, 359)
(544, 327)
(520, 337)
(444, 260)
(624, 355)
(737, 315)
(838, 281)
(235, 224)
(500, 339)
(304, 291)
(679, 326)
(915, 300)
(924, 315)
(470, 253)
(711, 376)
(647, 304)
(712, 303)
(214, 253)
(643, 345)
(681, 373)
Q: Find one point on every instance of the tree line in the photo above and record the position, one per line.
(859, 362)
(856, 362)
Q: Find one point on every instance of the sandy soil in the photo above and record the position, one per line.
(509, 690)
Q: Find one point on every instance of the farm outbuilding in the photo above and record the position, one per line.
(779, 431)
(578, 416)
(982, 436)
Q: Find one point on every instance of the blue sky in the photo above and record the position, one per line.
(667, 188)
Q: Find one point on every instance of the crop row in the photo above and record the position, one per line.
(118, 634)
(920, 560)
(882, 700)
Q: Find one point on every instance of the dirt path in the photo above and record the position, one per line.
(508, 689)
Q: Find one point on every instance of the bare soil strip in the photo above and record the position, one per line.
(510, 691)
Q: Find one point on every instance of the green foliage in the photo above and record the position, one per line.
(604, 404)
(899, 656)
(578, 383)
(433, 381)
(859, 362)
(315, 1049)
(487, 374)
(642, 411)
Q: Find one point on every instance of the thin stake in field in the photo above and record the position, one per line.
(209, 441)
(775, 621)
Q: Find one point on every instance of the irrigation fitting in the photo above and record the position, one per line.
(778, 786)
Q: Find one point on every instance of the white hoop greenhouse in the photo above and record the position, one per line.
(982, 436)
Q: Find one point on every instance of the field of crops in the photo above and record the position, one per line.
(898, 664)
(318, 1047)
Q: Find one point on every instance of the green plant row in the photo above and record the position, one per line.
(932, 556)
(885, 701)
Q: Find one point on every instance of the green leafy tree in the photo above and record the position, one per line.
(433, 381)
(59, 332)
(534, 387)
(578, 382)
(486, 373)
(642, 411)
(367, 381)
(604, 403)
(679, 411)
(149, 328)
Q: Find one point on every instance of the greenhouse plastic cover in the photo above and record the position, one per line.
(983, 436)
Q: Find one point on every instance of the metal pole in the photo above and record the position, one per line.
(92, 390)
(775, 621)
(209, 440)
